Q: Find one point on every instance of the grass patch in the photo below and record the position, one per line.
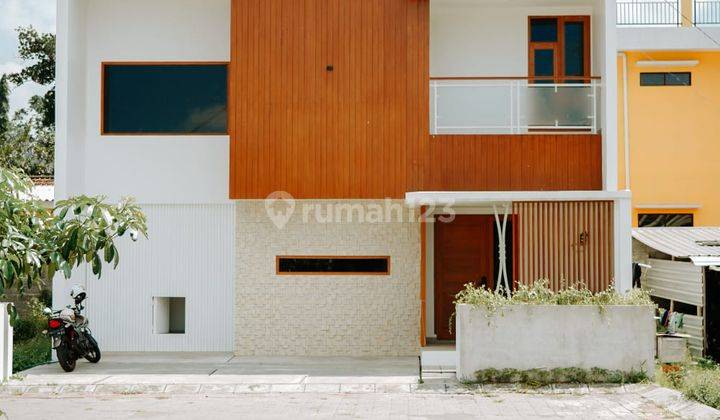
(699, 381)
(30, 353)
(30, 346)
(543, 377)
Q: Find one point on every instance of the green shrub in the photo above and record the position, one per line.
(29, 353)
(540, 294)
(541, 377)
(24, 329)
(703, 385)
(31, 324)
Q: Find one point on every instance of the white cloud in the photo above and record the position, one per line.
(15, 13)
(39, 13)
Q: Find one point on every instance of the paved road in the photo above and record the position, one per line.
(334, 406)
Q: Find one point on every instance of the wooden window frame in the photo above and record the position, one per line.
(332, 273)
(559, 47)
(230, 103)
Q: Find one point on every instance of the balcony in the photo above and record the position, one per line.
(657, 25)
(516, 68)
(668, 13)
(467, 105)
(706, 12)
(649, 13)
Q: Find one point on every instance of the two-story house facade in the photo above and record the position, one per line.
(321, 177)
(669, 57)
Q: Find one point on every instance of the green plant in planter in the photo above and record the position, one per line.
(539, 293)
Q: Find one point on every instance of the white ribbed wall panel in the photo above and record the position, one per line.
(189, 253)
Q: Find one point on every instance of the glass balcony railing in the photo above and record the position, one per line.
(512, 106)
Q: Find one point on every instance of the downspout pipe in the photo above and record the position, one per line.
(626, 119)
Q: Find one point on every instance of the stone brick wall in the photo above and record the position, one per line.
(327, 314)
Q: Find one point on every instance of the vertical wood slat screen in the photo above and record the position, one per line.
(549, 244)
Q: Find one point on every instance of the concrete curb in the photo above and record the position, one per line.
(674, 402)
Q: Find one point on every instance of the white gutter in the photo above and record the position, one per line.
(626, 120)
(474, 198)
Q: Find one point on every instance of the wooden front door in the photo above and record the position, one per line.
(464, 253)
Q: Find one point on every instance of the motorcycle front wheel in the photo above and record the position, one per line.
(93, 354)
(65, 358)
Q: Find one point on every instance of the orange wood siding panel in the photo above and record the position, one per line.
(353, 132)
(515, 162)
(565, 243)
(362, 129)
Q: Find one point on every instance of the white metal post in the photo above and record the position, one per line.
(6, 343)
(435, 108)
(622, 240)
(502, 278)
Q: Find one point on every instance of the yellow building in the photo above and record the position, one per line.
(669, 119)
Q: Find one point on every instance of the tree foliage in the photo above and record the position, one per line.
(36, 242)
(26, 144)
(27, 138)
(4, 103)
(38, 49)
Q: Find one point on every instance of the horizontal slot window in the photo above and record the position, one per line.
(665, 220)
(665, 79)
(333, 265)
(165, 99)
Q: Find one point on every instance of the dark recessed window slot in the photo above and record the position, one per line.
(334, 265)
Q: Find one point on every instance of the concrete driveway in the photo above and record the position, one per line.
(219, 372)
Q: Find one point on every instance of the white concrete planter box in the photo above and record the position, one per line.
(554, 336)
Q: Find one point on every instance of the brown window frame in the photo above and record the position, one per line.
(230, 102)
(559, 48)
(332, 273)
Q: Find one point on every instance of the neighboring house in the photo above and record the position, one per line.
(367, 114)
(682, 272)
(670, 58)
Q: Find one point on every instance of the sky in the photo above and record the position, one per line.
(14, 13)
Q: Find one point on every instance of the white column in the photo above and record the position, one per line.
(622, 240)
(6, 343)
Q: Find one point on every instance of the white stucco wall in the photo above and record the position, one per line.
(527, 337)
(487, 38)
(154, 169)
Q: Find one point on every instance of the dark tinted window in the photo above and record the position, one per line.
(574, 48)
(544, 63)
(330, 265)
(543, 30)
(665, 79)
(677, 79)
(665, 220)
(171, 99)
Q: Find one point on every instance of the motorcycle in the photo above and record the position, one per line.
(71, 337)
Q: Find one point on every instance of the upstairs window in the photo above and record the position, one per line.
(167, 98)
(665, 79)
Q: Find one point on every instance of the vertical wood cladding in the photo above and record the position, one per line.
(360, 128)
(565, 243)
(515, 162)
(353, 131)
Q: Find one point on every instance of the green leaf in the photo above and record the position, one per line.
(109, 252)
(66, 269)
(117, 258)
(96, 265)
(63, 213)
